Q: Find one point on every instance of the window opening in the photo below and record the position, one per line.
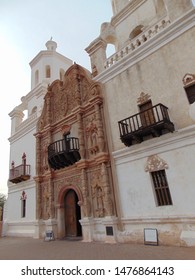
(48, 71)
(36, 77)
(23, 204)
(161, 187)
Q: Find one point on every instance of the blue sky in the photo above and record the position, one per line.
(25, 26)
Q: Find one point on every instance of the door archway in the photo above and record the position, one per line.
(72, 214)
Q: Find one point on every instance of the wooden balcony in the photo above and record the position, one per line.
(64, 152)
(151, 122)
(19, 173)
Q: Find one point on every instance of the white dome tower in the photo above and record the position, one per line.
(48, 65)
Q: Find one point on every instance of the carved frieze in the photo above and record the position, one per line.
(76, 90)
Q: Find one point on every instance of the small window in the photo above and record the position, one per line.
(136, 31)
(47, 71)
(162, 192)
(190, 92)
(36, 77)
(23, 208)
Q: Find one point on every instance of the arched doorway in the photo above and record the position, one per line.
(72, 214)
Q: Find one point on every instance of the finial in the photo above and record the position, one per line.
(51, 38)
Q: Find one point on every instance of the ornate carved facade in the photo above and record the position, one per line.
(74, 106)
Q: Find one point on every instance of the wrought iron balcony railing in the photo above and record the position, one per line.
(63, 153)
(154, 121)
(19, 173)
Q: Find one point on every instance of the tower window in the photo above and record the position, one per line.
(36, 77)
(62, 72)
(161, 187)
(47, 71)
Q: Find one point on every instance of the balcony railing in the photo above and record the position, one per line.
(19, 173)
(63, 153)
(154, 121)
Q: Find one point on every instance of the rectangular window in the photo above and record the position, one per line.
(23, 208)
(163, 195)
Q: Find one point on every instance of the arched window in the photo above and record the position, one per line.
(34, 110)
(23, 204)
(36, 77)
(136, 31)
(110, 50)
(47, 71)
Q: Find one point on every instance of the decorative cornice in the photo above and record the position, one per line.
(95, 45)
(144, 97)
(27, 127)
(155, 163)
(126, 11)
(188, 79)
(46, 53)
(168, 142)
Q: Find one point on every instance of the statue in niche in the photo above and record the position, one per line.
(94, 71)
(99, 202)
(92, 132)
(45, 156)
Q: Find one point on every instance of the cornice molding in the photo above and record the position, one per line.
(25, 130)
(46, 53)
(168, 142)
(126, 11)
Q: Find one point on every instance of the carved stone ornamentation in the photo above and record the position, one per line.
(86, 205)
(107, 191)
(46, 201)
(155, 163)
(44, 156)
(73, 106)
(144, 97)
(101, 192)
(92, 134)
(97, 194)
(188, 79)
(94, 71)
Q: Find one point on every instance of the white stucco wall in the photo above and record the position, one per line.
(24, 144)
(137, 197)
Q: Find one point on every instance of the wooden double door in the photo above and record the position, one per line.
(72, 214)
